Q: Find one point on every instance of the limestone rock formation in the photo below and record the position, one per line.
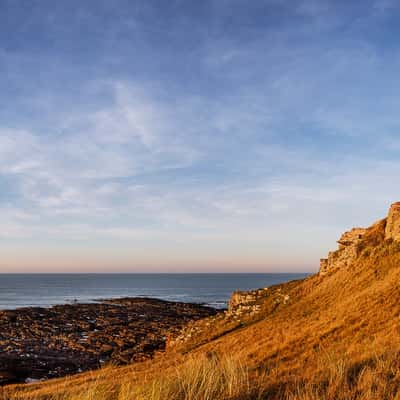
(246, 301)
(349, 242)
(393, 223)
(244, 307)
(346, 253)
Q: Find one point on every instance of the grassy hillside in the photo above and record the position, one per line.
(337, 337)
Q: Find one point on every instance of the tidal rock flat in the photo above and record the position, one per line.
(42, 343)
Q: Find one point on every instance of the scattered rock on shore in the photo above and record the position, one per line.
(41, 343)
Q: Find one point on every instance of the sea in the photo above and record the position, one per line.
(45, 290)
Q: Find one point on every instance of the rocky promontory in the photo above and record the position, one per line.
(351, 242)
(40, 343)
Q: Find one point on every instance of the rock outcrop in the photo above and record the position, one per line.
(347, 252)
(349, 243)
(249, 302)
(245, 307)
(246, 301)
(242, 305)
(392, 230)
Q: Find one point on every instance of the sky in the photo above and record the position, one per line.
(194, 136)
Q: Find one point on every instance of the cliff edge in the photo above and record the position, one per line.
(352, 242)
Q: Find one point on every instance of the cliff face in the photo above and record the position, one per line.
(392, 230)
(350, 243)
(346, 253)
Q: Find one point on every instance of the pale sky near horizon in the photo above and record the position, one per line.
(215, 135)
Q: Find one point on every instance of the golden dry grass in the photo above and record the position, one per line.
(337, 338)
(207, 378)
(335, 377)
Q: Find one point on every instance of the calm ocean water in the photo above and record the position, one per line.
(23, 290)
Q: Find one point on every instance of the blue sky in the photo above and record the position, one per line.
(193, 136)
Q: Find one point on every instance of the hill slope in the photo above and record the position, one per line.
(334, 335)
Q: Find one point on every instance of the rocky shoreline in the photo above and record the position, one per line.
(40, 343)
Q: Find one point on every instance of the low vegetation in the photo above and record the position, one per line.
(207, 377)
(376, 377)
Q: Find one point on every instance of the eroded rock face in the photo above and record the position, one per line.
(349, 242)
(393, 223)
(244, 307)
(347, 252)
(351, 238)
(246, 301)
(249, 302)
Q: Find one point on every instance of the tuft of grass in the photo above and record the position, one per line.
(205, 377)
(209, 377)
(374, 378)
